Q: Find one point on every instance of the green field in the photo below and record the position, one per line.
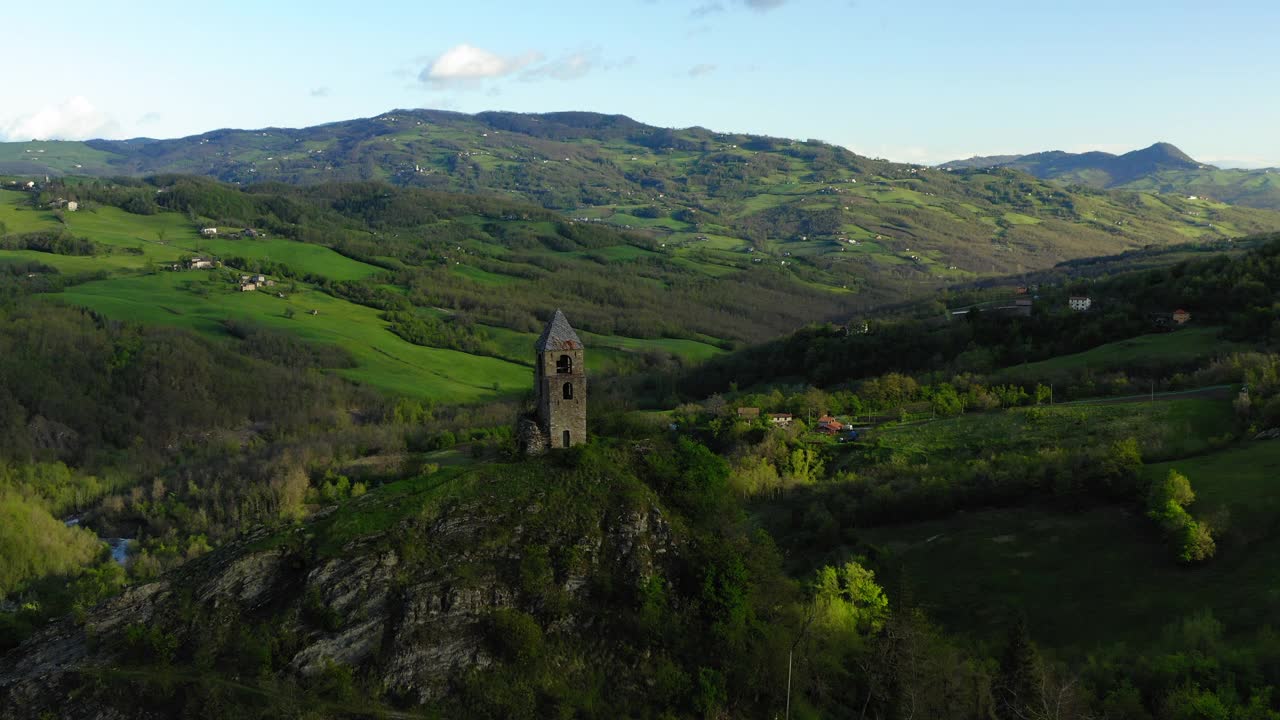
(1172, 428)
(1171, 348)
(144, 241)
(200, 301)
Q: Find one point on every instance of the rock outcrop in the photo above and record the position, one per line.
(407, 605)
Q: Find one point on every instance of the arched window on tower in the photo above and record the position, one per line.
(568, 391)
(564, 365)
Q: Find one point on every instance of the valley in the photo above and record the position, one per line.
(859, 420)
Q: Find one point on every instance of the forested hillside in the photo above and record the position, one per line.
(719, 194)
(1233, 293)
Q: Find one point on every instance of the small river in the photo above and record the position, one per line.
(119, 546)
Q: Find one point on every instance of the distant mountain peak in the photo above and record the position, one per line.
(1164, 152)
(1097, 168)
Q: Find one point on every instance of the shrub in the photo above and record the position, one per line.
(515, 636)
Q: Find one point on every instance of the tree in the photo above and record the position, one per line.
(1122, 462)
(1174, 488)
(805, 467)
(1197, 543)
(1017, 685)
(847, 599)
(946, 402)
(1167, 499)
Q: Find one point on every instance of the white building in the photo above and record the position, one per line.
(1079, 302)
(209, 232)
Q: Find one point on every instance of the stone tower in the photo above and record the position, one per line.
(561, 383)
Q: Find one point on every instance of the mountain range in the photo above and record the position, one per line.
(1160, 168)
(802, 203)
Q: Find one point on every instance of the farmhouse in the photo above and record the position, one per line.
(209, 232)
(748, 413)
(1181, 316)
(73, 206)
(199, 263)
(828, 425)
(1079, 303)
(781, 419)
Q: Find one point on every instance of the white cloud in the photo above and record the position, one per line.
(567, 67)
(322, 91)
(469, 67)
(148, 118)
(701, 69)
(467, 64)
(73, 119)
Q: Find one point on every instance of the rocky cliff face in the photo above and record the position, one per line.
(408, 605)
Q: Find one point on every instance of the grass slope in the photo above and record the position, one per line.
(135, 247)
(199, 301)
(1167, 348)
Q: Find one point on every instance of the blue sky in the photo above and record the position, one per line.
(920, 82)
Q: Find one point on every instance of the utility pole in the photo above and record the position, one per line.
(803, 628)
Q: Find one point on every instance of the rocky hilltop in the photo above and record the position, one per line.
(397, 600)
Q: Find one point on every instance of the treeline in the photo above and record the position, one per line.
(458, 334)
(56, 242)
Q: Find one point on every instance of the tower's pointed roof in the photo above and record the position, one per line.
(559, 335)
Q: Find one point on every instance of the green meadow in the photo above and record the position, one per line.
(1170, 348)
(1172, 428)
(201, 300)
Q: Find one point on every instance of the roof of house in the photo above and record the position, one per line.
(558, 335)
